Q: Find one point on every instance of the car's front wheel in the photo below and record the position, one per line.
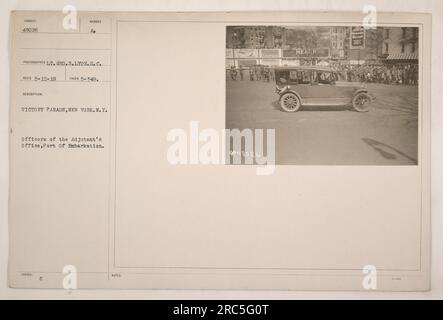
(362, 102)
(289, 102)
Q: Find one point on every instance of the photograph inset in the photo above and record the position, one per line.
(335, 95)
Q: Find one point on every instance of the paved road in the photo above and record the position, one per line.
(386, 135)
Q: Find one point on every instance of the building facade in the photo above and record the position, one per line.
(312, 45)
(400, 41)
(256, 37)
(339, 37)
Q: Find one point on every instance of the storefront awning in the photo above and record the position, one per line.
(402, 56)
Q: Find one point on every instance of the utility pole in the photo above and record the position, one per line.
(234, 38)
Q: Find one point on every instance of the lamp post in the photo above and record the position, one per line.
(234, 39)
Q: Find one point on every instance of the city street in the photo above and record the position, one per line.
(386, 135)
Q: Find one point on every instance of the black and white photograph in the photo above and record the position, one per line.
(221, 151)
(338, 95)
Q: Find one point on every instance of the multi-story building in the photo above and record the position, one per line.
(275, 37)
(255, 37)
(339, 38)
(314, 44)
(400, 44)
(235, 37)
(370, 52)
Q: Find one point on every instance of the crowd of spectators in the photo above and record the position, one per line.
(398, 74)
(405, 74)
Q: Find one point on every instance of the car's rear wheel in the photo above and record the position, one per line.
(289, 102)
(362, 102)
